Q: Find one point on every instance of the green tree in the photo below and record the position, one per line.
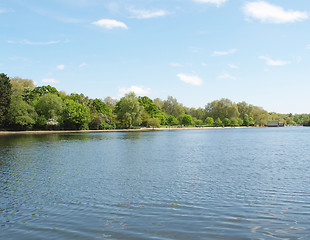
(5, 97)
(172, 107)
(223, 108)
(197, 113)
(49, 107)
(110, 102)
(76, 115)
(154, 122)
(101, 122)
(21, 115)
(99, 106)
(226, 122)
(171, 120)
(37, 92)
(234, 122)
(248, 121)
(218, 122)
(129, 110)
(260, 116)
(186, 120)
(198, 122)
(152, 109)
(21, 86)
(209, 121)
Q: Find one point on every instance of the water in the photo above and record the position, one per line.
(190, 184)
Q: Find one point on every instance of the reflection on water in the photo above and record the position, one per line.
(193, 184)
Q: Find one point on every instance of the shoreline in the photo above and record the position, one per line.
(113, 130)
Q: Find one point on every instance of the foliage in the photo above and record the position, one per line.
(76, 115)
(223, 108)
(21, 115)
(5, 97)
(226, 122)
(218, 122)
(48, 107)
(21, 86)
(110, 102)
(145, 118)
(80, 98)
(37, 92)
(154, 122)
(209, 121)
(99, 106)
(172, 107)
(186, 120)
(152, 109)
(197, 122)
(197, 113)
(101, 122)
(171, 120)
(25, 107)
(248, 121)
(128, 111)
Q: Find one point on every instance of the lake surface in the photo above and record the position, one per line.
(182, 184)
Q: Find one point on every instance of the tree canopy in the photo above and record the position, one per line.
(24, 106)
(5, 97)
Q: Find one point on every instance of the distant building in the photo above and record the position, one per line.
(275, 124)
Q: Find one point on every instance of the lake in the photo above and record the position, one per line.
(249, 183)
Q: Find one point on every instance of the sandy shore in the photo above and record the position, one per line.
(114, 130)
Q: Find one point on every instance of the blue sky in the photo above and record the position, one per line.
(194, 50)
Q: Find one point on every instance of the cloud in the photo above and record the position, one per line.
(190, 79)
(144, 14)
(60, 67)
(50, 80)
(3, 10)
(174, 64)
(110, 24)
(56, 15)
(19, 58)
(271, 62)
(308, 47)
(233, 66)
(204, 64)
(266, 12)
(136, 89)
(83, 64)
(216, 2)
(223, 53)
(226, 76)
(26, 42)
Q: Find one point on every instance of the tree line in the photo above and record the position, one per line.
(23, 106)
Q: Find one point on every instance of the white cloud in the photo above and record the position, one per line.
(216, 2)
(223, 53)
(266, 12)
(26, 42)
(233, 66)
(204, 64)
(83, 64)
(143, 14)
(60, 67)
(50, 80)
(226, 76)
(271, 62)
(2, 10)
(190, 79)
(110, 24)
(308, 46)
(174, 64)
(136, 89)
